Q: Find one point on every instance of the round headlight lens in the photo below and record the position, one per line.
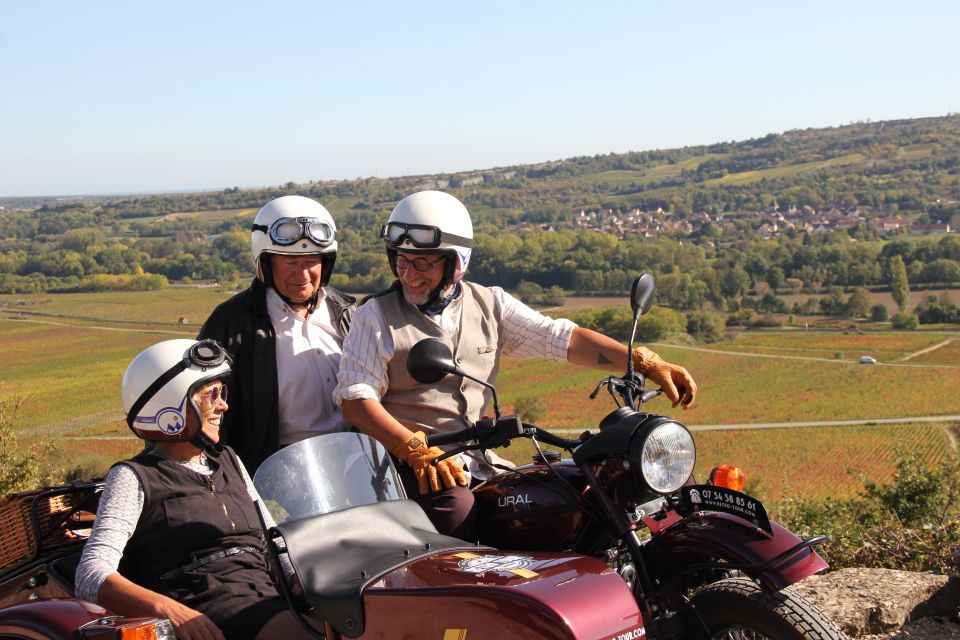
(668, 457)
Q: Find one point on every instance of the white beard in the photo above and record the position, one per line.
(416, 299)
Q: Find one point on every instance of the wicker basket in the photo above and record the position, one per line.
(47, 512)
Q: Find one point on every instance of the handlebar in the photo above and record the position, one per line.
(489, 433)
(549, 438)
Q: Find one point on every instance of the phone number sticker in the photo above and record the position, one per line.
(705, 497)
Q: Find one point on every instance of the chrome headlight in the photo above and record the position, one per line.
(665, 457)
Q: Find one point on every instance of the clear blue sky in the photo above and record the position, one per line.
(123, 97)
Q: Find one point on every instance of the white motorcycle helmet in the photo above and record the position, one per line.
(293, 226)
(158, 387)
(431, 222)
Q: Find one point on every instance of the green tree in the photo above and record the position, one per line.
(705, 326)
(660, 323)
(941, 270)
(904, 320)
(858, 304)
(878, 313)
(834, 304)
(899, 286)
(529, 292)
(554, 296)
(934, 310)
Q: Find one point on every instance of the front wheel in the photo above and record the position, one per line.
(738, 609)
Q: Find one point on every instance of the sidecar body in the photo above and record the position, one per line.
(373, 566)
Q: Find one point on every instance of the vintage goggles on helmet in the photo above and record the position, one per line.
(205, 354)
(287, 231)
(421, 236)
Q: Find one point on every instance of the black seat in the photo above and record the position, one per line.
(337, 554)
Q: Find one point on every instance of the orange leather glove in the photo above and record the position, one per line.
(418, 455)
(672, 378)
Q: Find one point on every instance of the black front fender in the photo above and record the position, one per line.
(711, 540)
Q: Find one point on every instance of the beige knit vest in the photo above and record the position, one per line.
(451, 403)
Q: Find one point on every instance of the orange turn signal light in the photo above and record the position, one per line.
(120, 628)
(728, 476)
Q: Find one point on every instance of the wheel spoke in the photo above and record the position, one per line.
(739, 633)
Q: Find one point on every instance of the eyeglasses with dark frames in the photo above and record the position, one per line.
(420, 264)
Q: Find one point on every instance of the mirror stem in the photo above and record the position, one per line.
(493, 390)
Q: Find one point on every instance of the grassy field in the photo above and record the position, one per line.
(128, 307)
(746, 177)
(751, 388)
(62, 356)
(63, 369)
(885, 347)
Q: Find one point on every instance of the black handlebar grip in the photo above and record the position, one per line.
(452, 437)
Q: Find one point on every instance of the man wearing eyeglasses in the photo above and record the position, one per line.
(285, 333)
(429, 241)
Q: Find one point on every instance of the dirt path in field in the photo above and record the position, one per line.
(66, 427)
(790, 425)
(953, 435)
(747, 354)
(100, 328)
(927, 350)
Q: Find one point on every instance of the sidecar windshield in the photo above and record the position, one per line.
(326, 473)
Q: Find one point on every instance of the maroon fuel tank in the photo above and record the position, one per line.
(499, 595)
(535, 508)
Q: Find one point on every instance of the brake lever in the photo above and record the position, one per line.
(613, 388)
(606, 381)
(454, 452)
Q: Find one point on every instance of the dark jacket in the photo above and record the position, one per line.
(242, 325)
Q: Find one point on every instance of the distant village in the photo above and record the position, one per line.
(772, 223)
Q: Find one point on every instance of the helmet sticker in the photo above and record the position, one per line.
(170, 421)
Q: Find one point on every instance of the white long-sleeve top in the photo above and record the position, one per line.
(369, 344)
(121, 504)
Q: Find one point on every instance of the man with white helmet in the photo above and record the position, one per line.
(429, 241)
(285, 332)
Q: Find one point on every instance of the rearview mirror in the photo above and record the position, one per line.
(430, 360)
(641, 294)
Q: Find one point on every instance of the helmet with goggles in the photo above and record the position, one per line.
(293, 226)
(431, 222)
(159, 384)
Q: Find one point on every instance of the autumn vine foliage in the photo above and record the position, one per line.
(911, 523)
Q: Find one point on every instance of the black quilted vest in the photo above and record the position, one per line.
(187, 515)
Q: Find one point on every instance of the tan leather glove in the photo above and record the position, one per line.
(672, 378)
(418, 455)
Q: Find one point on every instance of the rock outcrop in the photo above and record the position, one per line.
(867, 602)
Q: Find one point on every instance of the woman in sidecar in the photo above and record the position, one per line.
(177, 534)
